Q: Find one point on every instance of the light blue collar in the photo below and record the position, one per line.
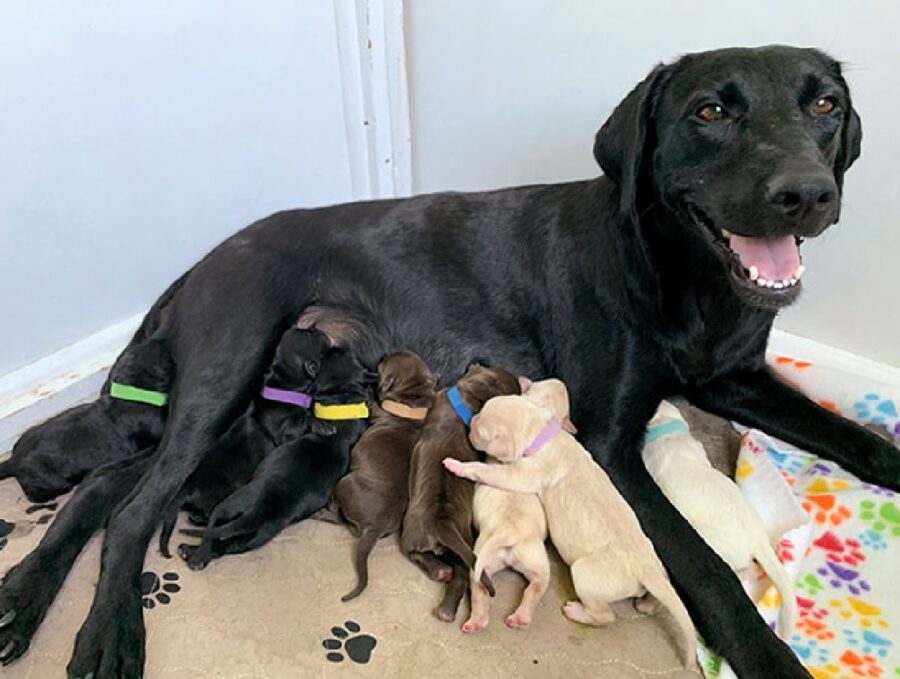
(664, 429)
(465, 414)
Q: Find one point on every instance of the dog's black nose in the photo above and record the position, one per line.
(796, 196)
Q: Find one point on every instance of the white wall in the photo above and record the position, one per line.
(135, 136)
(512, 91)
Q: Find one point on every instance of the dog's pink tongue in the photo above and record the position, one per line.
(776, 259)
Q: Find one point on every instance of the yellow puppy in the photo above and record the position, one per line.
(592, 526)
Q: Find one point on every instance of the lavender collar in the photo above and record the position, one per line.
(543, 438)
(294, 398)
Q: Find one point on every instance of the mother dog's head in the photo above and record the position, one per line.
(746, 149)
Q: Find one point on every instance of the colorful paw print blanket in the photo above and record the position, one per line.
(838, 537)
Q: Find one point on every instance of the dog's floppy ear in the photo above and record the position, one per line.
(621, 146)
(500, 447)
(851, 145)
(524, 383)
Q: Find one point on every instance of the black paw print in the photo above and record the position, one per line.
(358, 647)
(155, 591)
(50, 507)
(6, 527)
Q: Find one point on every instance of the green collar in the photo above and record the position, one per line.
(126, 392)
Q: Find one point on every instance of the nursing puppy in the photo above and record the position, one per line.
(437, 528)
(713, 504)
(512, 528)
(593, 528)
(372, 497)
(53, 457)
(295, 479)
(280, 413)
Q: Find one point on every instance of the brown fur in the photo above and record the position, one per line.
(373, 496)
(437, 530)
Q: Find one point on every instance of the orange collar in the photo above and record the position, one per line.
(404, 411)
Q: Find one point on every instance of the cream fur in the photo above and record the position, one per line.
(593, 528)
(714, 506)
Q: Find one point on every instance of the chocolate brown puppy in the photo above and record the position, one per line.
(437, 529)
(372, 497)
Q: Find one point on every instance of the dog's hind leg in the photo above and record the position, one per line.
(530, 559)
(432, 566)
(595, 591)
(30, 587)
(456, 590)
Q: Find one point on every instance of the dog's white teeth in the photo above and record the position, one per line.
(770, 284)
(726, 233)
(753, 273)
(799, 271)
(761, 282)
(778, 285)
(793, 281)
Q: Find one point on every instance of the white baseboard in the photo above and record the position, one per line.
(72, 375)
(69, 376)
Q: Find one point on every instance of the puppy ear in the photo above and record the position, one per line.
(623, 145)
(568, 426)
(851, 145)
(311, 368)
(500, 447)
(524, 383)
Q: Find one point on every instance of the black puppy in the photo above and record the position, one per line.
(280, 414)
(295, 479)
(51, 458)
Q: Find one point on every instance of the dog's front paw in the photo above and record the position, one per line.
(110, 643)
(24, 601)
(461, 469)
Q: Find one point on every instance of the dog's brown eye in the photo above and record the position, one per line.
(823, 106)
(712, 113)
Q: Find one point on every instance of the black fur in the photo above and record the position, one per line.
(612, 284)
(53, 457)
(264, 427)
(295, 479)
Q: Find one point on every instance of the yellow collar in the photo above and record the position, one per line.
(404, 411)
(341, 411)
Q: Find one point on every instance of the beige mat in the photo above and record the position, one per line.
(266, 614)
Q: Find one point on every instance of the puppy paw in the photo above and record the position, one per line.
(518, 620)
(472, 625)
(454, 466)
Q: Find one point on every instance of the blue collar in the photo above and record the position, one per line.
(459, 405)
(660, 430)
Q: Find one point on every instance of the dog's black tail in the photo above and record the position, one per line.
(7, 469)
(450, 537)
(364, 547)
(169, 519)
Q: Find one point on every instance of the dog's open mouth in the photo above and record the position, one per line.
(769, 267)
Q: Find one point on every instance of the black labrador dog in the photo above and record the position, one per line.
(52, 458)
(281, 413)
(631, 287)
(294, 480)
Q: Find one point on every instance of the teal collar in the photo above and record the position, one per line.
(664, 429)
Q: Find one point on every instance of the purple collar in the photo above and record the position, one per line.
(294, 398)
(543, 438)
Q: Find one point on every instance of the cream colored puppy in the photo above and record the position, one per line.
(713, 504)
(512, 529)
(592, 526)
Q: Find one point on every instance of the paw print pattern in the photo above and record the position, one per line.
(840, 551)
(156, 590)
(878, 490)
(873, 540)
(813, 620)
(6, 527)
(809, 584)
(861, 665)
(868, 642)
(808, 650)
(785, 550)
(49, 507)
(876, 410)
(839, 577)
(357, 647)
(790, 464)
(825, 510)
(884, 516)
(868, 615)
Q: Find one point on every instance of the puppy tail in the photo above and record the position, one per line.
(449, 536)
(364, 547)
(657, 583)
(777, 573)
(169, 519)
